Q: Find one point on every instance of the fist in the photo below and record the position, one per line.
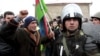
(51, 34)
(23, 14)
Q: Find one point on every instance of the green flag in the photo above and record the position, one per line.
(40, 9)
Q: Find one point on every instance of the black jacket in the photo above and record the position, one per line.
(19, 39)
(72, 42)
(6, 47)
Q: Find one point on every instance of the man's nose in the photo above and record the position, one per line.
(71, 21)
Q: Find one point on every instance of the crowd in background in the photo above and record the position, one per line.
(19, 35)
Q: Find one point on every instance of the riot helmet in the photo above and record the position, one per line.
(97, 15)
(71, 11)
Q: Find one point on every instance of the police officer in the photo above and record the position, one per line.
(96, 18)
(73, 41)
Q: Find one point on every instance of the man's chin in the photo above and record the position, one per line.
(72, 30)
(33, 31)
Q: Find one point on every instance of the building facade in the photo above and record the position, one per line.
(55, 7)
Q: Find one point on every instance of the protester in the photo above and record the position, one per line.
(6, 48)
(8, 15)
(26, 41)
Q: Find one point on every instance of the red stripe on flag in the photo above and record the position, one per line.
(37, 2)
(46, 26)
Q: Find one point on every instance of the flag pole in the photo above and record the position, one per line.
(46, 16)
(49, 15)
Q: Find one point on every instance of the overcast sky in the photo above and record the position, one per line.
(17, 5)
(95, 7)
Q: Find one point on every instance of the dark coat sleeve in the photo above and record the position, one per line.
(8, 29)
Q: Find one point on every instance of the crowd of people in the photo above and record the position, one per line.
(19, 35)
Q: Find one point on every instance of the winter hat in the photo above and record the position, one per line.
(28, 20)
